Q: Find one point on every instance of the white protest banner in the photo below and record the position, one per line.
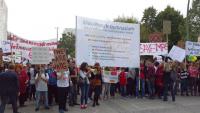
(40, 55)
(6, 46)
(22, 45)
(18, 57)
(109, 43)
(192, 48)
(153, 48)
(177, 53)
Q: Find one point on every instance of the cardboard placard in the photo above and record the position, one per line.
(60, 61)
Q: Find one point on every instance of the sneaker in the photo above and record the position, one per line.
(36, 109)
(66, 110)
(93, 105)
(47, 108)
(98, 104)
(85, 106)
(82, 106)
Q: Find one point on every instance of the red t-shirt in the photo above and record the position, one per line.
(122, 78)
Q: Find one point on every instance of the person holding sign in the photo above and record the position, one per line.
(41, 80)
(63, 82)
(84, 82)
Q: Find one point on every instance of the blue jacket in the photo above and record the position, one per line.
(9, 83)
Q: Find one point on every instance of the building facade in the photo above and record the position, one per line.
(3, 21)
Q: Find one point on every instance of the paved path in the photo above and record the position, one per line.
(128, 105)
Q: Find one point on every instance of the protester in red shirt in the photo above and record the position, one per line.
(193, 72)
(122, 82)
(23, 81)
(159, 80)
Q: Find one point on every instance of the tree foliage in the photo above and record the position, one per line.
(126, 19)
(194, 20)
(148, 23)
(177, 24)
(68, 41)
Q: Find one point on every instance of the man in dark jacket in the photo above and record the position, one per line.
(9, 89)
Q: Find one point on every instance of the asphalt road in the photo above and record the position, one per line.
(127, 105)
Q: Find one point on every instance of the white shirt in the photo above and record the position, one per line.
(84, 76)
(63, 82)
(41, 85)
(32, 78)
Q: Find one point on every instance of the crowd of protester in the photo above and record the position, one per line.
(44, 85)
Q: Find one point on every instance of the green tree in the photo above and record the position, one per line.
(177, 24)
(148, 23)
(149, 19)
(132, 20)
(194, 20)
(68, 41)
(126, 19)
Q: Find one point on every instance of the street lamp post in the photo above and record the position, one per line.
(187, 19)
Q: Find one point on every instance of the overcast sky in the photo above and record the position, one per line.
(37, 19)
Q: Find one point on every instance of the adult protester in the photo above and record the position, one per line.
(23, 81)
(63, 83)
(96, 83)
(150, 79)
(193, 71)
(173, 78)
(84, 82)
(52, 85)
(9, 85)
(73, 86)
(32, 90)
(130, 82)
(166, 78)
(184, 76)
(159, 80)
(106, 86)
(122, 82)
(41, 88)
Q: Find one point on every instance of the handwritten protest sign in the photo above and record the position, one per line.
(110, 76)
(18, 57)
(193, 48)
(6, 46)
(40, 55)
(153, 48)
(177, 53)
(60, 61)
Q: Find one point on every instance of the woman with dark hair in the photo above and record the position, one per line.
(84, 83)
(96, 83)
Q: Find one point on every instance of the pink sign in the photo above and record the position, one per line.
(153, 48)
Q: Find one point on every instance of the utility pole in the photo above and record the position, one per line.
(57, 28)
(187, 19)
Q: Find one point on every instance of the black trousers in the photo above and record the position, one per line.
(52, 92)
(32, 91)
(13, 101)
(97, 92)
(62, 97)
(73, 95)
(130, 87)
(22, 99)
